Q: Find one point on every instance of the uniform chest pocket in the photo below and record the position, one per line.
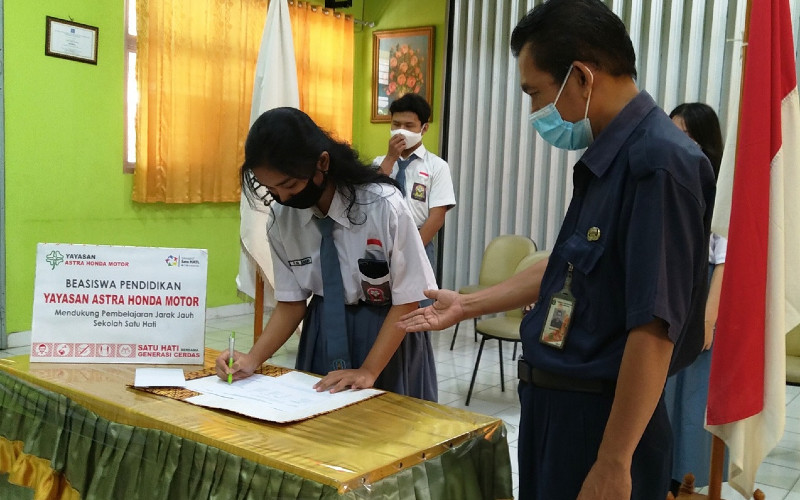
(581, 253)
(584, 256)
(375, 282)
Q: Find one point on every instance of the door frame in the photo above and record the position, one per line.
(3, 333)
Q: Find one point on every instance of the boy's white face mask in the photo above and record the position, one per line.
(412, 138)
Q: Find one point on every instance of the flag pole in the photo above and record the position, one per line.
(717, 444)
(716, 467)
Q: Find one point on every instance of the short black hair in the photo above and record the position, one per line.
(414, 103)
(702, 125)
(563, 31)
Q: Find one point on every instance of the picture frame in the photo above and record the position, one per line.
(71, 40)
(402, 62)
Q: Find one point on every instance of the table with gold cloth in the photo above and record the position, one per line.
(77, 431)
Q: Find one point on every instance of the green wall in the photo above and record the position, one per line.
(371, 139)
(64, 142)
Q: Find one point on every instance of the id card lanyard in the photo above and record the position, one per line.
(559, 315)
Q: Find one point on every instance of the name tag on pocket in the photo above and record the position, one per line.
(559, 315)
(556, 324)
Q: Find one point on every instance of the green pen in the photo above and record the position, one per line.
(230, 355)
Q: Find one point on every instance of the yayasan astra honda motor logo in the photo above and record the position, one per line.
(54, 258)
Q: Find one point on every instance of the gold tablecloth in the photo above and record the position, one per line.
(110, 441)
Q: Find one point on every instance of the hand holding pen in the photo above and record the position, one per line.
(231, 345)
(232, 365)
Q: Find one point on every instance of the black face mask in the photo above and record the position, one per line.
(306, 198)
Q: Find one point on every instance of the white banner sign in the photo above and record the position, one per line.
(109, 304)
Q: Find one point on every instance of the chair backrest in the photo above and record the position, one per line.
(793, 342)
(501, 257)
(793, 356)
(526, 262)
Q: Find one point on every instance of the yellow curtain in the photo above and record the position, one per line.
(324, 50)
(195, 69)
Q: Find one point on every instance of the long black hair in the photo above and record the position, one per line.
(702, 125)
(288, 141)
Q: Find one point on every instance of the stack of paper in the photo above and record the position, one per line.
(159, 377)
(287, 398)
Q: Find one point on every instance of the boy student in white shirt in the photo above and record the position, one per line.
(423, 176)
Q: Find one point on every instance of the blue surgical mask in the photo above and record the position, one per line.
(558, 132)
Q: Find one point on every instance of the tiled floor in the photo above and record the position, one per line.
(778, 477)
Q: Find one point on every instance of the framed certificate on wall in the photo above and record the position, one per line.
(71, 40)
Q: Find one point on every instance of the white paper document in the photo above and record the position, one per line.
(159, 377)
(288, 398)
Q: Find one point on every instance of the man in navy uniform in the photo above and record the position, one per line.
(628, 267)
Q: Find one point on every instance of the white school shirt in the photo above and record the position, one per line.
(388, 232)
(428, 183)
(717, 249)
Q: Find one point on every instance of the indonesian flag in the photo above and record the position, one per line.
(275, 86)
(760, 299)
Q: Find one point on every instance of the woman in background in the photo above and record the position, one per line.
(686, 393)
(324, 192)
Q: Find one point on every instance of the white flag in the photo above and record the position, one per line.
(275, 86)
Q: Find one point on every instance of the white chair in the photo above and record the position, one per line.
(498, 263)
(504, 327)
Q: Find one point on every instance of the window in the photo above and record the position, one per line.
(131, 88)
(193, 63)
(196, 63)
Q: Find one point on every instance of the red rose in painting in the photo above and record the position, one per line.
(406, 75)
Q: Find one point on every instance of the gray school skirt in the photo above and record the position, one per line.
(411, 371)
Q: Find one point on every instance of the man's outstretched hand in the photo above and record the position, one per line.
(446, 310)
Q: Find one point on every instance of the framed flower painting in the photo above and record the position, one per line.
(402, 62)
